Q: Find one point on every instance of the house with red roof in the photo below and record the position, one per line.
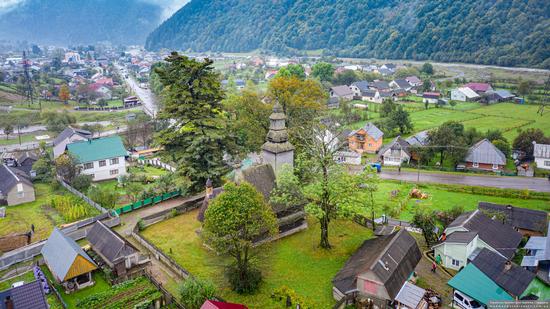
(101, 90)
(479, 87)
(107, 81)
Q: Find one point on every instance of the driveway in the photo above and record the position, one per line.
(503, 182)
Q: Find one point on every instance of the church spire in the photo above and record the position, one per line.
(277, 150)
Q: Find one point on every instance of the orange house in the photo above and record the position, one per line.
(367, 139)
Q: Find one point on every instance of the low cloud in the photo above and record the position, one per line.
(7, 5)
(168, 7)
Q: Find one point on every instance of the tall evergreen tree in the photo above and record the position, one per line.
(197, 138)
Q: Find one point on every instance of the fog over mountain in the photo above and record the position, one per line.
(67, 22)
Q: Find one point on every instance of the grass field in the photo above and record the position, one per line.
(20, 217)
(434, 117)
(295, 261)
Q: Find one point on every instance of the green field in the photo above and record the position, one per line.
(434, 117)
(295, 261)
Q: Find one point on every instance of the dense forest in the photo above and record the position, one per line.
(502, 32)
(67, 22)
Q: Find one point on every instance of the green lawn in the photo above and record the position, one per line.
(295, 261)
(434, 117)
(441, 199)
(504, 125)
(20, 217)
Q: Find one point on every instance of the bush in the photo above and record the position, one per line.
(194, 292)
(285, 294)
(82, 182)
(246, 283)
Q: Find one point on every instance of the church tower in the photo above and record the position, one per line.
(277, 150)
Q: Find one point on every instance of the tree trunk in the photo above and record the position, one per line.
(325, 244)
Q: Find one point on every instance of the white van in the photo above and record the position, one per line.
(466, 302)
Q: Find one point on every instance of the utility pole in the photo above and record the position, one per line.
(28, 81)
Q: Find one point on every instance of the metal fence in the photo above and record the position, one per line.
(147, 202)
(81, 195)
(156, 162)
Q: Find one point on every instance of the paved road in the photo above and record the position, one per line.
(503, 182)
(146, 96)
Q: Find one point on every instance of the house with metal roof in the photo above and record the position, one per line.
(67, 261)
(475, 284)
(15, 187)
(541, 153)
(28, 295)
(395, 152)
(485, 156)
(359, 87)
(342, 92)
(378, 269)
(366, 139)
(120, 255)
(102, 158)
(537, 257)
(469, 233)
(464, 94)
(528, 222)
(67, 136)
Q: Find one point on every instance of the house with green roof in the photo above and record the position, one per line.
(102, 158)
(475, 284)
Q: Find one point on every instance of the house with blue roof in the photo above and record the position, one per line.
(102, 158)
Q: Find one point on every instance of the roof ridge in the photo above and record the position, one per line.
(379, 256)
(470, 217)
(11, 172)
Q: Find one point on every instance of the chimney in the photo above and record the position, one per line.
(507, 266)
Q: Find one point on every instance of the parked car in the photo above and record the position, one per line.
(466, 302)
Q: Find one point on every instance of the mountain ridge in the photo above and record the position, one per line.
(496, 32)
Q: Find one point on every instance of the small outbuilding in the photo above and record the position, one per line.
(67, 261)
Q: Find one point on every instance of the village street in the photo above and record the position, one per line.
(502, 182)
(146, 96)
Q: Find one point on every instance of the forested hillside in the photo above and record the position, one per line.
(84, 21)
(502, 32)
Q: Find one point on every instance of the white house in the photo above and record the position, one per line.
(359, 87)
(464, 94)
(103, 158)
(469, 233)
(372, 96)
(396, 152)
(67, 136)
(347, 157)
(541, 152)
(342, 92)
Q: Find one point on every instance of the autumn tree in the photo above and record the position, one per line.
(66, 167)
(197, 138)
(323, 71)
(234, 220)
(64, 93)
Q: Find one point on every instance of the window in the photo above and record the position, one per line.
(114, 161)
(459, 297)
(88, 166)
(102, 163)
(546, 163)
(475, 164)
(495, 166)
(455, 262)
(113, 172)
(20, 192)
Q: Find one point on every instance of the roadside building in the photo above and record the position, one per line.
(366, 139)
(485, 156)
(431, 97)
(541, 153)
(464, 94)
(396, 152)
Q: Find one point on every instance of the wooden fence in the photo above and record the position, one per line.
(81, 195)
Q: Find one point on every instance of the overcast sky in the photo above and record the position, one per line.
(168, 6)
